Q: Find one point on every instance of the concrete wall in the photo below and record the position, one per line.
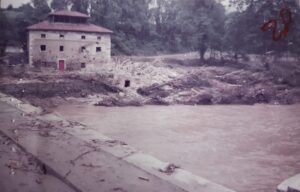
(72, 54)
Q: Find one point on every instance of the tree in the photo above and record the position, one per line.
(9, 7)
(129, 19)
(80, 5)
(244, 27)
(25, 18)
(200, 25)
(41, 9)
(60, 4)
(161, 25)
(4, 29)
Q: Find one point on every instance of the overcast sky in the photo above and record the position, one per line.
(17, 3)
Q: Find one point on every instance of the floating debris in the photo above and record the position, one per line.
(13, 149)
(13, 164)
(116, 142)
(81, 155)
(169, 169)
(144, 179)
(91, 165)
(119, 189)
(44, 133)
(38, 181)
(12, 172)
(43, 169)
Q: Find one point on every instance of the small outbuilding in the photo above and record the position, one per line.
(66, 41)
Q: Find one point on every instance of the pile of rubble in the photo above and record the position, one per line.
(136, 81)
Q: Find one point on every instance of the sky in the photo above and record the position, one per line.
(17, 3)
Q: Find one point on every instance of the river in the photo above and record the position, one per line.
(246, 148)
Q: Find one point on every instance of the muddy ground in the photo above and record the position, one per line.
(159, 80)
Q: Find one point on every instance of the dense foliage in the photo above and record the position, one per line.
(169, 26)
(244, 27)
(4, 27)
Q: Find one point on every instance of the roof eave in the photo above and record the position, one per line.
(104, 32)
(86, 17)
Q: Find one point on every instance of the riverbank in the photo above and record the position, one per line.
(160, 80)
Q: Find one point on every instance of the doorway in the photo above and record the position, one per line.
(61, 65)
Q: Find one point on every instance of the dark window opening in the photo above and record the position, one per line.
(66, 19)
(127, 83)
(61, 36)
(61, 48)
(43, 35)
(83, 37)
(82, 49)
(99, 37)
(98, 49)
(61, 19)
(43, 47)
(83, 65)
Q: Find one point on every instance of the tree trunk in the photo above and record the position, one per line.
(202, 52)
(2, 51)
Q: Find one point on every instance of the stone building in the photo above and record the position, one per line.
(66, 41)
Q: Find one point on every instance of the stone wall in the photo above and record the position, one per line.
(72, 52)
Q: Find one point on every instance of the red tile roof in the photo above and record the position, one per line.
(69, 13)
(53, 26)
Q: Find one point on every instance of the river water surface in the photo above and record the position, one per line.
(246, 148)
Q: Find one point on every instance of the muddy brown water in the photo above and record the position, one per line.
(246, 148)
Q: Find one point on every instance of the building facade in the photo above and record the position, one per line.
(66, 41)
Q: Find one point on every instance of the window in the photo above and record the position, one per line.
(82, 36)
(61, 36)
(127, 83)
(43, 35)
(61, 48)
(98, 49)
(99, 37)
(43, 47)
(82, 49)
(83, 65)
